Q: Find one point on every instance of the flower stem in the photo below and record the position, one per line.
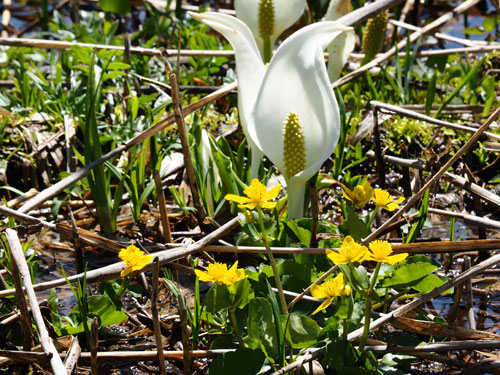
(368, 309)
(349, 315)
(373, 216)
(295, 199)
(268, 50)
(284, 309)
(235, 326)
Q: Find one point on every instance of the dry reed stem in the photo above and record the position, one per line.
(155, 316)
(181, 128)
(72, 355)
(43, 335)
(165, 224)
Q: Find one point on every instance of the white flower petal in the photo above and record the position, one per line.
(338, 53)
(287, 12)
(342, 46)
(250, 68)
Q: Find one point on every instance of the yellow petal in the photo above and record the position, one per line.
(203, 276)
(391, 206)
(273, 193)
(317, 291)
(324, 305)
(237, 198)
(393, 259)
(126, 271)
(335, 257)
(346, 193)
(268, 204)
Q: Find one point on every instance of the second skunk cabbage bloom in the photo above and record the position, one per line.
(267, 19)
(340, 48)
(290, 111)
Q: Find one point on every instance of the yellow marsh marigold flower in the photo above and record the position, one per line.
(380, 252)
(330, 289)
(349, 252)
(257, 194)
(360, 195)
(134, 259)
(383, 199)
(218, 273)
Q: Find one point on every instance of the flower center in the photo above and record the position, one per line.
(294, 149)
(266, 18)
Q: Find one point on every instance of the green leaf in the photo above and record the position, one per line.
(241, 293)
(489, 24)
(420, 220)
(242, 361)
(429, 283)
(115, 6)
(353, 226)
(261, 327)
(303, 235)
(302, 331)
(218, 298)
(472, 72)
(408, 275)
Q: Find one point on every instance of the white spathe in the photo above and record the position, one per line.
(248, 60)
(286, 13)
(296, 80)
(340, 48)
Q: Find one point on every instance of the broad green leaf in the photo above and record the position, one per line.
(218, 298)
(429, 283)
(261, 327)
(302, 234)
(302, 331)
(242, 361)
(408, 275)
(353, 226)
(241, 293)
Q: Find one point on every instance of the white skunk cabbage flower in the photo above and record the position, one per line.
(290, 110)
(267, 19)
(342, 45)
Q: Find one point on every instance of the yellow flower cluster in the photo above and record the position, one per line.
(351, 251)
(362, 194)
(218, 273)
(134, 259)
